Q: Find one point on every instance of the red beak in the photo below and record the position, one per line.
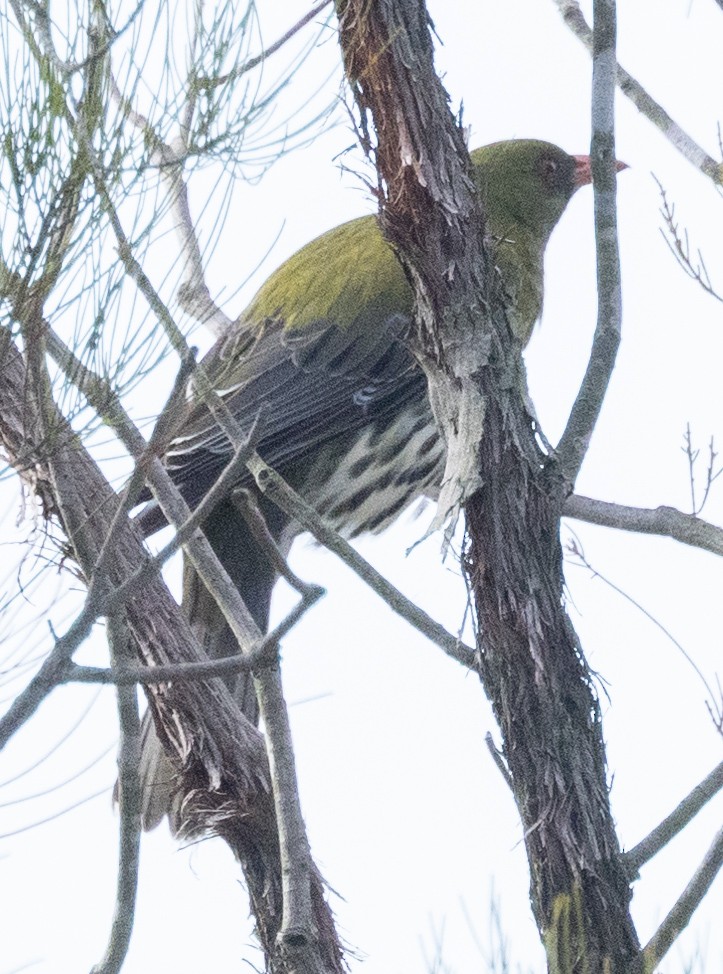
(583, 170)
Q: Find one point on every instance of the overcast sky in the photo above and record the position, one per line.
(409, 819)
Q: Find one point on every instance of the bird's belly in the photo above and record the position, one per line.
(379, 472)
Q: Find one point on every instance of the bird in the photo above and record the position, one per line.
(346, 419)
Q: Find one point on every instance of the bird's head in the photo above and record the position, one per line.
(524, 182)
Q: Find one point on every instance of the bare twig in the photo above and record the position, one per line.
(574, 548)
(296, 861)
(664, 521)
(655, 113)
(289, 501)
(674, 823)
(583, 417)
(691, 455)
(50, 675)
(716, 712)
(687, 903)
(679, 246)
(193, 293)
(712, 471)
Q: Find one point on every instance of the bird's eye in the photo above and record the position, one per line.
(550, 172)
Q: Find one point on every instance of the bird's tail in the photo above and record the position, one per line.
(251, 572)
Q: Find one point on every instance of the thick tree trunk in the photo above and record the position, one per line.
(542, 692)
(224, 772)
(531, 664)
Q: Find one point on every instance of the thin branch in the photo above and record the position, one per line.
(210, 84)
(246, 503)
(129, 803)
(288, 500)
(675, 822)
(263, 652)
(574, 548)
(691, 456)
(184, 533)
(163, 428)
(667, 522)
(194, 296)
(711, 474)
(50, 675)
(655, 113)
(583, 417)
(686, 905)
(56, 815)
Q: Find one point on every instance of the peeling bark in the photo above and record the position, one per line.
(531, 664)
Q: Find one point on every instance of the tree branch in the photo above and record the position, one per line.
(274, 486)
(632, 89)
(679, 246)
(575, 440)
(264, 653)
(674, 823)
(687, 903)
(664, 521)
(301, 884)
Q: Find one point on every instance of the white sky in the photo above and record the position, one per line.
(409, 820)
